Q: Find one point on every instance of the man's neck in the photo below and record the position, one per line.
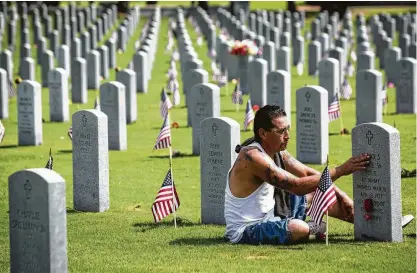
(268, 151)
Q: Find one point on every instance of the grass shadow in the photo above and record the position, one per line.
(180, 127)
(71, 210)
(8, 146)
(65, 151)
(175, 154)
(147, 226)
(412, 235)
(200, 241)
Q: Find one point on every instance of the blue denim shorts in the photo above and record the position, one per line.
(274, 231)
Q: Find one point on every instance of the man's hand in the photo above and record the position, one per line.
(355, 163)
(345, 205)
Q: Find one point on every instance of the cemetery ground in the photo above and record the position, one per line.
(125, 239)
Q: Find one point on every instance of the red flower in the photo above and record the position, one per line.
(367, 217)
(255, 107)
(175, 125)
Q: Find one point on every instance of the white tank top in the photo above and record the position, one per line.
(242, 212)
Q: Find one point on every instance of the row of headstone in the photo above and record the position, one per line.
(78, 75)
(45, 56)
(207, 27)
(192, 71)
(144, 58)
(401, 71)
(328, 77)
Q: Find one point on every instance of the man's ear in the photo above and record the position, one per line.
(262, 133)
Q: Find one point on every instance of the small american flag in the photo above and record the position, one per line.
(307, 35)
(346, 90)
(166, 201)
(70, 132)
(165, 104)
(97, 104)
(11, 89)
(324, 197)
(212, 54)
(164, 138)
(384, 95)
(175, 55)
(2, 131)
(237, 95)
(300, 68)
(353, 55)
(176, 99)
(200, 41)
(249, 116)
(350, 69)
(50, 161)
(334, 109)
(222, 80)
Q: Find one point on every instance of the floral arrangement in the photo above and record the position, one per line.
(243, 48)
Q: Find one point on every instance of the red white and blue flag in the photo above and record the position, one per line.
(334, 109)
(324, 197)
(346, 90)
(166, 201)
(384, 95)
(249, 116)
(237, 95)
(165, 104)
(164, 138)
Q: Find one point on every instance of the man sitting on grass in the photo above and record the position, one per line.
(264, 170)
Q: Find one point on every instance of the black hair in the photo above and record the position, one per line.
(264, 117)
(245, 143)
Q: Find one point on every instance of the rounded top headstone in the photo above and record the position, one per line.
(47, 175)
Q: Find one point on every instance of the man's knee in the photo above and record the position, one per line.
(299, 229)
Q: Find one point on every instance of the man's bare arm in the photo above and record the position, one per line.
(295, 167)
(264, 167)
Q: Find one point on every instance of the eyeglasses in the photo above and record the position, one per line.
(281, 131)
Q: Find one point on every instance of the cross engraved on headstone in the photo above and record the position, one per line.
(201, 91)
(308, 95)
(369, 136)
(84, 120)
(28, 188)
(25, 87)
(214, 129)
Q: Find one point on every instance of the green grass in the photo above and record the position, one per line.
(124, 239)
